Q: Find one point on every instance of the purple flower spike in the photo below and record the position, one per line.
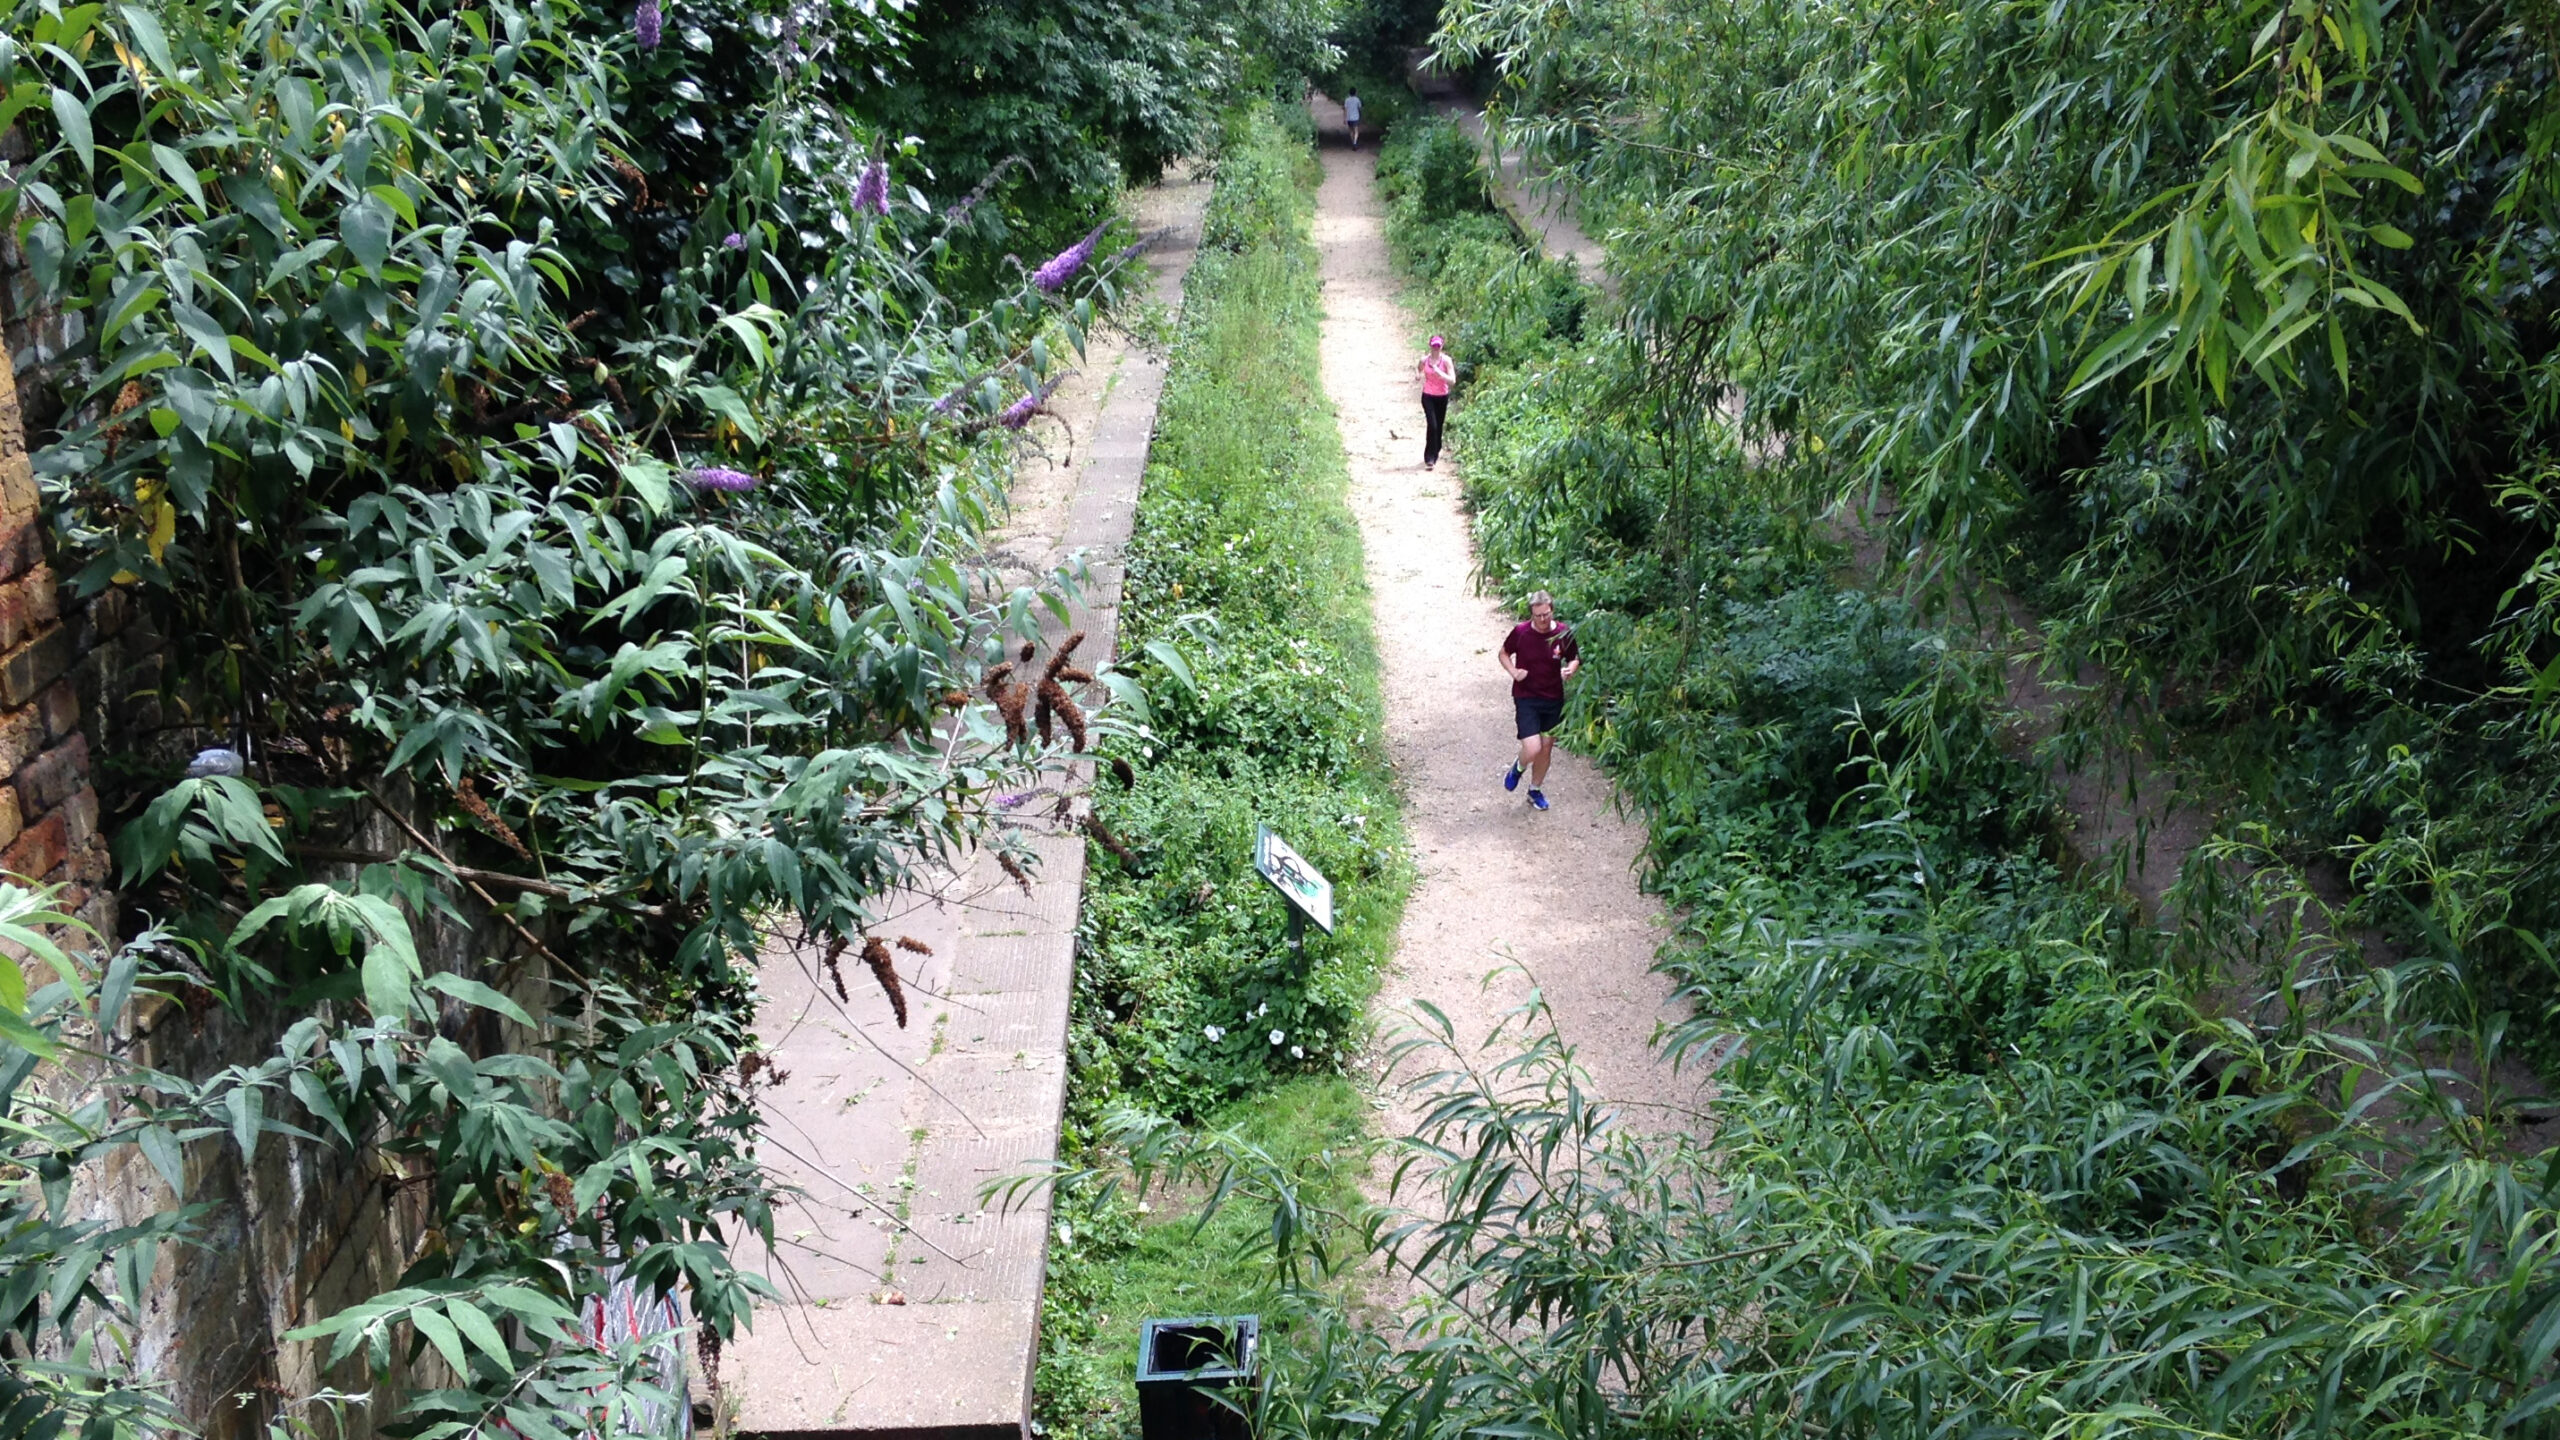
(715, 477)
(1058, 271)
(648, 23)
(873, 192)
(1018, 414)
(735, 241)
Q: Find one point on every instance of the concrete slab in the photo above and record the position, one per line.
(911, 1308)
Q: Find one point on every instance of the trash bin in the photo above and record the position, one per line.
(1200, 1378)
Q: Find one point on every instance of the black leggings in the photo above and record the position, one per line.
(1435, 413)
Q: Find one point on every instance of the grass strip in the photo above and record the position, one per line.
(1246, 565)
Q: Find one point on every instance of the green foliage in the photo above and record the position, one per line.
(1073, 103)
(1977, 1163)
(2222, 336)
(1121, 1254)
(607, 1147)
(544, 446)
(1498, 303)
(1246, 553)
(1376, 35)
(1245, 567)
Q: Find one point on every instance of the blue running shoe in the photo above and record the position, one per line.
(1538, 799)
(1511, 778)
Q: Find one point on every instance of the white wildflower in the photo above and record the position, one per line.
(1279, 1035)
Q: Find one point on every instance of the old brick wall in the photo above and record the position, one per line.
(302, 1230)
(48, 807)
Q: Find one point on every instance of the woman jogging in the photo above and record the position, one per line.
(1351, 116)
(1438, 372)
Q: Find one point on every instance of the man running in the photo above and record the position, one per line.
(1351, 116)
(1539, 655)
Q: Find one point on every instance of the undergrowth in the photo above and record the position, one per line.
(1188, 1001)
(1979, 1162)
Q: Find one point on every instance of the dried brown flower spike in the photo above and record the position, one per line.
(1124, 772)
(468, 795)
(127, 399)
(1054, 701)
(885, 970)
(1102, 836)
(835, 952)
(1013, 867)
(909, 942)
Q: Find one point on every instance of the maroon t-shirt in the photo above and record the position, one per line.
(1543, 656)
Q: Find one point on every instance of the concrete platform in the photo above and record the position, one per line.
(912, 1309)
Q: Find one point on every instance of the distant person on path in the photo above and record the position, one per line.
(1351, 116)
(1539, 655)
(1438, 373)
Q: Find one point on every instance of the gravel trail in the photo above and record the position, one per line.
(1504, 893)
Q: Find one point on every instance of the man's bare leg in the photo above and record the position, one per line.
(1545, 752)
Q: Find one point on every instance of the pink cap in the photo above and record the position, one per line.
(1436, 342)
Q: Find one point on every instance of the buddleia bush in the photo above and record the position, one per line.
(539, 436)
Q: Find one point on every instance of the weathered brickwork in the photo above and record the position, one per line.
(304, 1230)
(48, 807)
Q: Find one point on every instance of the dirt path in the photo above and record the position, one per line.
(1500, 884)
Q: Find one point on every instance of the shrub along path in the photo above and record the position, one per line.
(2126, 812)
(1545, 210)
(1498, 884)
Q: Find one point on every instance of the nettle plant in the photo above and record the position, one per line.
(536, 432)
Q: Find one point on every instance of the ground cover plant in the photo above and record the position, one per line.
(1979, 1162)
(1188, 1001)
(541, 435)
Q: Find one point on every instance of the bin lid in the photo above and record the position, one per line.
(1198, 1347)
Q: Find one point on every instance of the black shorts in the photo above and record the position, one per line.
(1536, 716)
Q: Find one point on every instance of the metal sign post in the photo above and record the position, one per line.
(1309, 894)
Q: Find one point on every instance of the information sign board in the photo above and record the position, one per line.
(1290, 874)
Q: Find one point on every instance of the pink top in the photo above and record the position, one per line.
(1437, 372)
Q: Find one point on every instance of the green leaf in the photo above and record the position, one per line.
(447, 1340)
(149, 38)
(160, 1146)
(73, 119)
(390, 961)
(181, 174)
(477, 1328)
(1163, 653)
(472, 992)
(315, 1097)
(248, 1107)
(731, 406)
(122, 971)
(365, 227)
(652, 480)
